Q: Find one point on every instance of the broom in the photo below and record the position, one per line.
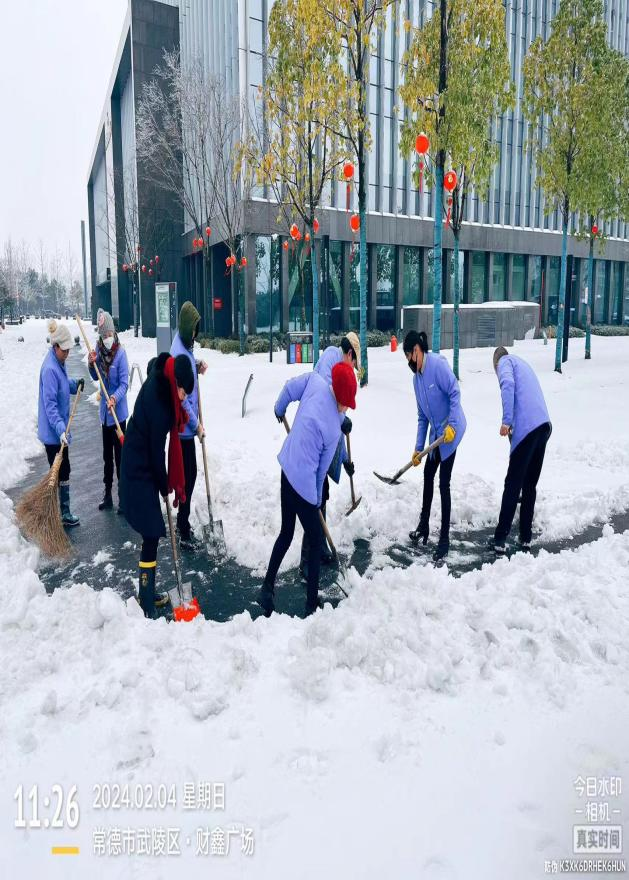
(39, 513)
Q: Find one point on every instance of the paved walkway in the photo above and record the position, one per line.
(107, 549)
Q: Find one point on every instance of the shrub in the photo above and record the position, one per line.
(575, 332)
(610, 330)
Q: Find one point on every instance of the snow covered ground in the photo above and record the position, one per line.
(429, 727)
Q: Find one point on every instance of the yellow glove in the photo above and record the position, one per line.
(449, 434)
(417, 458)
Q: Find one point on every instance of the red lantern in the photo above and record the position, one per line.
(208, 231)
(150, 262)
(422, 144)
(354, 222)
(294, 231)
(315, 225)
(228, 261)
(348, 170)
(595, 229)
(143, 267)
(194, 242)
(285, 245)
(307, 236)
(150, 271)
(124, 267)
(449, 181)
(200, 242)
(243, 262)
(157, 258)
(298, 235)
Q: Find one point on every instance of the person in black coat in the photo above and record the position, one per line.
(143, 473)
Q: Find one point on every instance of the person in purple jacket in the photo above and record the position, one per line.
(526, 422)
(183, 343)
(438, 406)
(55, 389)
(305, 458)
(113, 366)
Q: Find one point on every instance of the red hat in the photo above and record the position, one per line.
(344, 385)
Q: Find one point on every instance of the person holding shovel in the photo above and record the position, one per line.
(159, 410)
(438, 406)
(183, 344)
(526, 422)
(305, 458)
(111, 360)
(55, 388)
(348, 352)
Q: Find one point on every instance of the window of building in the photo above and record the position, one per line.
(335, 305)
(385, 271)
(599, 316)
(354, 287)
(616, 292)
(451, 267)
(412, 276)
(518, 277)
(536, 269)
(498, 277)
(268, 298)
(625, 316)
(299, 287)
(479, 275)
(430, 276)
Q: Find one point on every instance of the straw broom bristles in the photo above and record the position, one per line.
(39, 514)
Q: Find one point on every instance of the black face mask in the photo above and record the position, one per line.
(412, 365)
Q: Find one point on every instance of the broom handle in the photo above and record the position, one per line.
(173, 544)
(205, 467)
(56, 465)
(100, 379)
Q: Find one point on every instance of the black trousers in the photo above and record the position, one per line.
(293, 506)
(112, 450)
(525, 467)
(189, 452)
(445, 474)
(51, 452)
(305, 543)
(149, 549)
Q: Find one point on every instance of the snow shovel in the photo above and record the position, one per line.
(213, 534)
(355, 502)
(326, 531)
(119, 433)
(185, 607)
(395, 479)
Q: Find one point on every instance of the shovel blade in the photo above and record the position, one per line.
(214, 538)
(391, 481)
(354, 505)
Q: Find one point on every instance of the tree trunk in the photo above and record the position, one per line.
(437, 295)
(457, 300)
(315, 300)
(590, 303)
(561, 303)
(242, 280)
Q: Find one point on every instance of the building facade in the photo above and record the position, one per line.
(510, 246)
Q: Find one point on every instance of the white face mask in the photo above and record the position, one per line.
(108, 343)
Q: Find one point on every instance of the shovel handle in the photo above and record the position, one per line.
(119, 433)
(351, 479)
(74, 406)
(173, 544)
(205, 467)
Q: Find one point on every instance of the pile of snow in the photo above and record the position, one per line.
(429, 726)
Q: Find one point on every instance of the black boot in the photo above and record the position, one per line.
(312, 607)
(421, 532)
(442, 550)
(266, 599)
(108, 502)
(147, 588)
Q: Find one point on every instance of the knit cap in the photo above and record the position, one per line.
(188, 320)
(105, 323)
(59, 335)
(344, 384)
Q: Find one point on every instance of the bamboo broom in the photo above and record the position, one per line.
(39, 513)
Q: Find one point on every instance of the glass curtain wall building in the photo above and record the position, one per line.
(510, 246)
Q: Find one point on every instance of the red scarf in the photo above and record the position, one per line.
(176, 476)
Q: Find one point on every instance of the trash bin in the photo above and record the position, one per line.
(299, 348)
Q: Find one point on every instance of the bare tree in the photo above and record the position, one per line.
(178, 111)
(41, 253)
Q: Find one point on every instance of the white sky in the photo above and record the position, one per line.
(56, 57)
